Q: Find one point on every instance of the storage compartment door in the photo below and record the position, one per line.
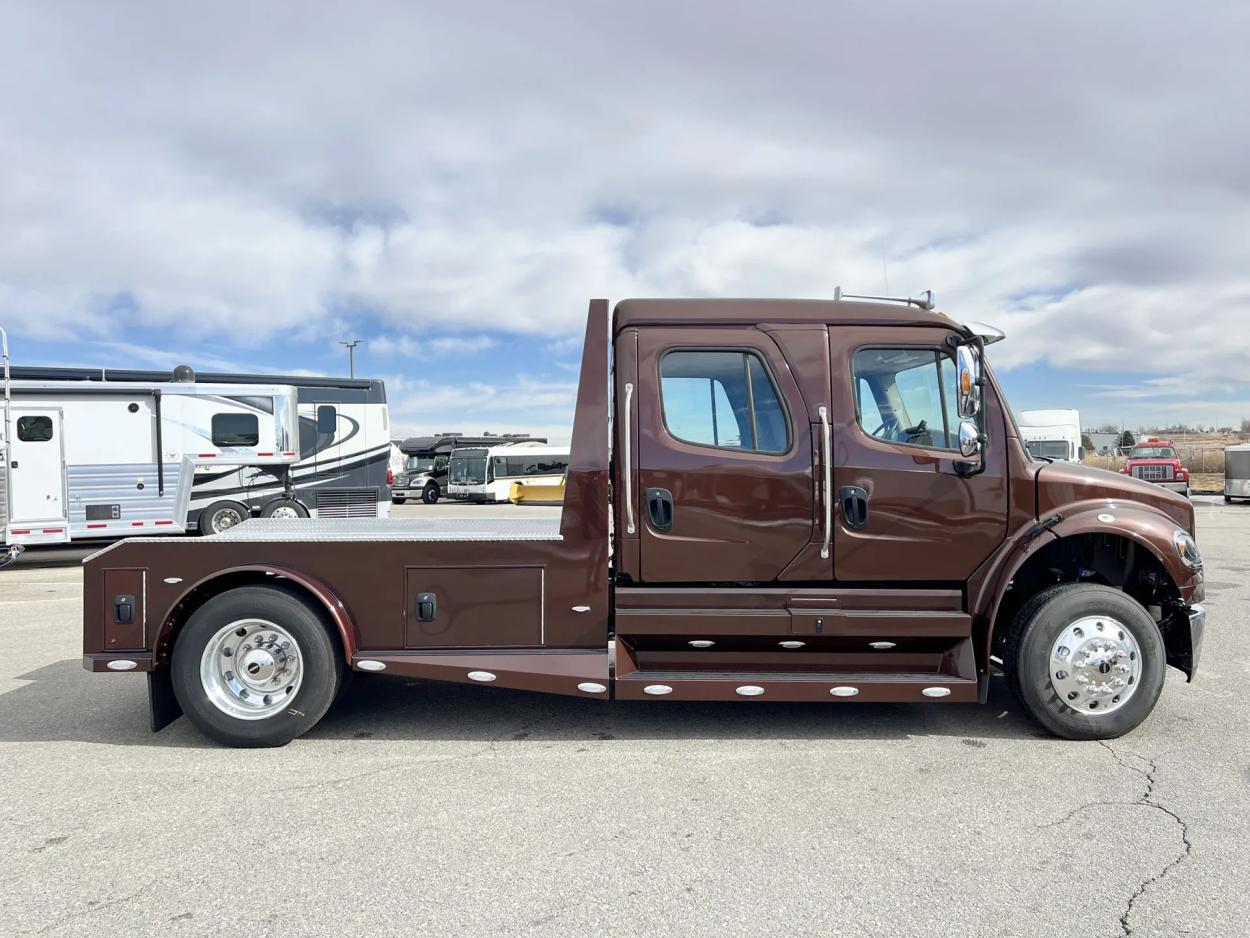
(473, 607)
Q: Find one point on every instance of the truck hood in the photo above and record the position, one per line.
(1061, 485)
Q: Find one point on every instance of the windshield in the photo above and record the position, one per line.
(1152, 452)
(1049, 449)
(419, 464)
(468, 468)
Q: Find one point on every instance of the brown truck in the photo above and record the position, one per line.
(767, 500)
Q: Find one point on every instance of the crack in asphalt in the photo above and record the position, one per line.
(1145, 800)
(1148, 800)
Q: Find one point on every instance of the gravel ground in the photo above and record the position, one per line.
(416, 808)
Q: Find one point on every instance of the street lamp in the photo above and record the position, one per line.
(351, 355)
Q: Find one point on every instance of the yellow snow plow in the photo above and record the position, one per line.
(537, 493)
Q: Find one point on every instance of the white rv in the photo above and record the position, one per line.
(486, 474)
(1052, 434)
(109, 459)
(343, 452)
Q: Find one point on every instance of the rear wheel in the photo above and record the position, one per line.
(256, 666)
(1086, 661)
(429, 494)
(222, 516)
(284, 508)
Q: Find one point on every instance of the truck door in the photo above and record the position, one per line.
(903, 512)
(723, 475)
(37, 465)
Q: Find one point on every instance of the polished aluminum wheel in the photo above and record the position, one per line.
(250, 669)
(225, 518)
(284, 512)
(1096, 664)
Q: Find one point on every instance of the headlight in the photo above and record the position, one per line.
(1187, 550)
(401, 481)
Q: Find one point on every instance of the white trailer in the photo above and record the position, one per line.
(1052, 434)
(110, 459)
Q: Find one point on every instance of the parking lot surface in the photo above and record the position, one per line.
(418, 808)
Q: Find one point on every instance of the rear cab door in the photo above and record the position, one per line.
(724, 476)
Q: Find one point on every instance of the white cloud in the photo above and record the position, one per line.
(1069, 171)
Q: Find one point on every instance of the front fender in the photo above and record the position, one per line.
(1150, 529)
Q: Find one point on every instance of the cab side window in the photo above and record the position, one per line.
(723, 399)
(907, 395)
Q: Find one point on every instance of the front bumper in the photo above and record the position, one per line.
(1178, 486)
(1197, 631)
(1183, 633)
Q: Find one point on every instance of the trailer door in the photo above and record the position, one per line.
(37, 465)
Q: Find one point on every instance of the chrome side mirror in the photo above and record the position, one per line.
(968, 372)
(969, 439)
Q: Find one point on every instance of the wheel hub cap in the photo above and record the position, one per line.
(1096, 664)
(251, 669)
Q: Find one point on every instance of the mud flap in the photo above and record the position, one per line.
(162, 704)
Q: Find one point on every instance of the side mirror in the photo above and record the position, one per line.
(1080, 454)
(969, 439)
(968, 377)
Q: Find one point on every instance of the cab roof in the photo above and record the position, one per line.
(843, 312)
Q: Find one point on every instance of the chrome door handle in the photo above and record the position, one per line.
(826, 440)
(625, 470)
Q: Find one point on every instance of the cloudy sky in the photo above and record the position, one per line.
(242, 185)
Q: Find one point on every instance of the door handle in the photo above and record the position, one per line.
(427, 607)
(660, 508)
(854, 506)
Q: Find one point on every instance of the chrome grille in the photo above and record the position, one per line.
(1153, 473)
(348, 503)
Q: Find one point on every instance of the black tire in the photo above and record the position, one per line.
(429, 494)
(1228, 499)
(397, 501)
(287, 505)
(1026, 660)
(221, 516)
(320, 656)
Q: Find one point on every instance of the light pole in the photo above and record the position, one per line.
(351, 355)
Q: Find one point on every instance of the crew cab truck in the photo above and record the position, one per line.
(794, 500)
(1157, 461)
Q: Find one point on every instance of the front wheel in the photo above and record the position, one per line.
(256, 666)
(395, 500)
(429, 494)
(222, 516)
(1087, 661)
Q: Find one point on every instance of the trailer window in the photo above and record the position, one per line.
(724, 399)
(34, 429)
(906, 396)
(327, 419)
(235, 430)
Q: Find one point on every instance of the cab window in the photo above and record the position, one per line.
(907, 395)
(723, 399)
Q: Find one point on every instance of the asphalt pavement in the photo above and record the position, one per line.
(424, 809)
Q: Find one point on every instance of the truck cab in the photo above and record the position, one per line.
(1156, 461)
(766, 500)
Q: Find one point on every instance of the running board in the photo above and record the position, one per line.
(798, 687)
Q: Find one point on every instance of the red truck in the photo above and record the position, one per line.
(1156, 461)
(767, 500)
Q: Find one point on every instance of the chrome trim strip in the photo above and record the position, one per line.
(625, 468)
(826, 441)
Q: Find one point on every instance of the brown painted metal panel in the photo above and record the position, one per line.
(475, 607)
(880, 623)
(699, 622)
(868, 597)
(122, 636)
(552, 672)
(738, 516)
(925, 522)
(799, 688)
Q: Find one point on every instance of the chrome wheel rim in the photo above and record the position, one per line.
(1096, 665)
(251, 669)
(225, 519)
(284, 511)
